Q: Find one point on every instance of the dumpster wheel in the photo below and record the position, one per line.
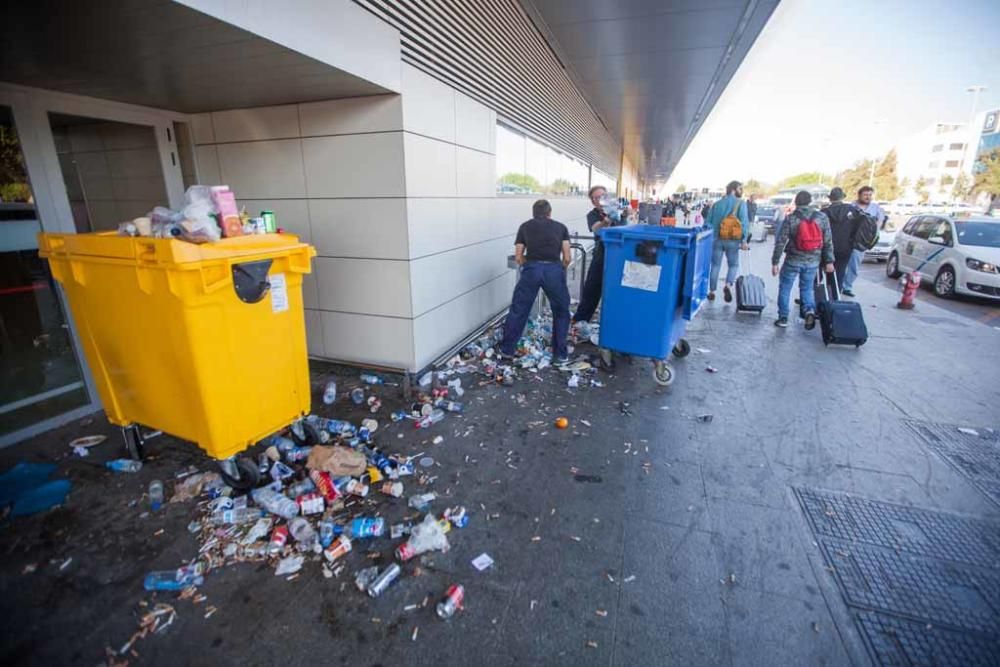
(682, 349)
(240, 473)
(663, 373)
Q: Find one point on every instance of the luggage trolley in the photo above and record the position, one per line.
(655, 280)
(206, 342)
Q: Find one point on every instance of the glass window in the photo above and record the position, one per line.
(39, 373)
(938, 148)
(924, 227)
(983, 234)
(599, 177)
(512, 178)
(942, 229)
(528, 167)
(951, 164)
(956, 147)
(933, 165)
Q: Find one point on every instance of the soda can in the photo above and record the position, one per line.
(364, 435)
(394, 489)
(370, 424)
(374, 404)
(326, 532)
(297, 454)
(362, 528)
(310, 503)
(270, 222)
(451, 602)
(382, 581)
(358, 395)
(426, 409)
(263, 463)
(356, 488)
(337, 548)
(324, 485)
(279, 538)
(405, 552)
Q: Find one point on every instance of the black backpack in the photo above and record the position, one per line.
(867, 234)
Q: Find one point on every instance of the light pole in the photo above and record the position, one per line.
(975, 90)
(871, 172)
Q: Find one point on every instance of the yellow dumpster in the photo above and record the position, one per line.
(206, 342)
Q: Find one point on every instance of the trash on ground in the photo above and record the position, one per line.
(482, 562)
(968, 431)
(87, 441)
(289, 565)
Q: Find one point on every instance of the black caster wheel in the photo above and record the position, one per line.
(305, 434)
(240, 473)
(682, 349)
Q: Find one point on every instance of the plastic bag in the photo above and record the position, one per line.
(338, 461)
(198, 224)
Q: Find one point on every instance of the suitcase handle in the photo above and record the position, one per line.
(820, 280)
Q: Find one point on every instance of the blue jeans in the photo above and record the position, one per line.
(786, 279)
(853, 267)
(731, 248)
(551, 278)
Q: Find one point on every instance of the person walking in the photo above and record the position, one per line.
(597, 219)
(804, 239)
(844, 219)
(728, 219)
(865, 203)
(541, 249)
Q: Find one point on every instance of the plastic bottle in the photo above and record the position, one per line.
(124, 465)
(297, 454)
(449, 406)
(236, 516)
(303, 532)
(274, 502)
(433, 418)
(326, 532)
(301, 487)
(155, 494)
(421, 501)
(455, 385)
(282, 443)
(171, 580)
(371, 378)
(330, 392)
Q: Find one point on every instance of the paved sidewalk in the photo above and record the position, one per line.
(730, 542)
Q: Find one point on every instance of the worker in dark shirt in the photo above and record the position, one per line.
(597, 220)
(542, 250)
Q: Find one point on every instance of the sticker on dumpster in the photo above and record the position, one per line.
(279, 293)
(641, 276)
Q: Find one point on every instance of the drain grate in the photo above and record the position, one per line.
(898, 641)
(946, 594)
(906, 529)
(924, 585)
(975, 456)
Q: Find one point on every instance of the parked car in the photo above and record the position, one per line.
(770, 215)
(886, 237)
(955, 255)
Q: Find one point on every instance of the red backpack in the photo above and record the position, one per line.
(808, 236)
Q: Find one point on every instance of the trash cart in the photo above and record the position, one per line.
(203, 341)
(655, 280)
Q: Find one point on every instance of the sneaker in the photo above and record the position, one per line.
(727, 294)
(781, 322)
(810, 319)
(559, 362)
(505, 358)
(711, 296)
(848, 292)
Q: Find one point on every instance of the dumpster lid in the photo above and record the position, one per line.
(162, 251)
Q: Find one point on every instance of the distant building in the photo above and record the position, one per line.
(938, 154)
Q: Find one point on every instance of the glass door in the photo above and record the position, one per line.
(40, 375)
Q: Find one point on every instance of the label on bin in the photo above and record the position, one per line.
(641, 276)
(279, 293)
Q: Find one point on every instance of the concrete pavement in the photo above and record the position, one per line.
(647, 537)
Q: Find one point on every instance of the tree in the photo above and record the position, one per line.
(13, 176)
(921, 187)
(960, 191)
(753, 187)
(854, 177)
(805, 178)
(682, 188)
(529, 183)
(946, 180)
(987, 176)
(561, 186)
(886, 183)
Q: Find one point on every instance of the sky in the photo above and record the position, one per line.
(822, 72)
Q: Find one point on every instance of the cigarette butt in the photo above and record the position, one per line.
(413, 637)
(591, 643)
(602, 613)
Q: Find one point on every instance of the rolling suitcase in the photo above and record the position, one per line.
(841, 322)
(751, 296)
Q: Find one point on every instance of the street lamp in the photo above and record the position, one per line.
(871, 172)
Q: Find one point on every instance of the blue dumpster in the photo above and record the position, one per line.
(655, 280)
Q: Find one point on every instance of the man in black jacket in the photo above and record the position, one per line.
(844, 221)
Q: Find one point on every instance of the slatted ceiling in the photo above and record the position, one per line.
(491, 51)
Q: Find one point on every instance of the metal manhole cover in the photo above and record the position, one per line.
(973, 452)
(899, 641)
(907, 529)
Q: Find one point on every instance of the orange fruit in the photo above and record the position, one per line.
(562, 422)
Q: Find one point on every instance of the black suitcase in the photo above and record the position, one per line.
(751, 296)
(841, 322)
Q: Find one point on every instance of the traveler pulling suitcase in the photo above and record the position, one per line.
(750, 294)
(841, 322)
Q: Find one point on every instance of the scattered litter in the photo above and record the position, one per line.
(482, 562)
(533, 604)
(705, 418)
(81, 451)
(591, 643)
(602, 613)
(413, 637)
(968, 431)
(703, 350)
(438, 439)
(815, 627)
(711, 369)
(426, 462)
(29, 568)
(87, 441)
(585, 422)
(289, 565)
(563, 422)
(629, 579)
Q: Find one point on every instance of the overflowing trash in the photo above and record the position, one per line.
(209, 214)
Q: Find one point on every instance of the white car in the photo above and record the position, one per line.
(886, 238)
(955, 255)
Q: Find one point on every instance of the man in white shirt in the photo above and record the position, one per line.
(865, 203)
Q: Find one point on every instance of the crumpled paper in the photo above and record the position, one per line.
(337, 460)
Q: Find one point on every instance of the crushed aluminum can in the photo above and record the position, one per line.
(364, 577)
(451, 602)
(384, 580)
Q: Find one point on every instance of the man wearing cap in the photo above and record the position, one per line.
(844, 221)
